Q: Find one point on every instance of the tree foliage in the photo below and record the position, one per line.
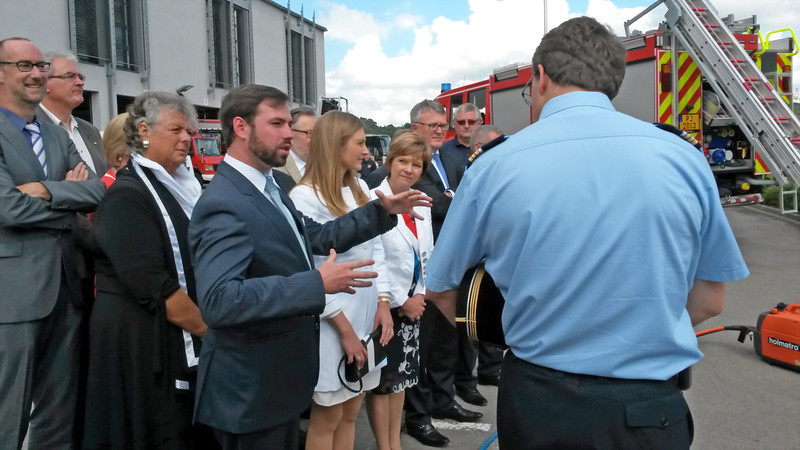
(371, 127)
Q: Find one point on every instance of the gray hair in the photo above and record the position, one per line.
(146, 108)
(469, 107)
(426, 105)
(481, 134)
(52, 54)
(302, 111)
(582, 53)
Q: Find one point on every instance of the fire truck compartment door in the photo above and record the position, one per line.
(637, 95)
(509, 110)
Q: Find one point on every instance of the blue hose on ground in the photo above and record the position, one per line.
(489, 441)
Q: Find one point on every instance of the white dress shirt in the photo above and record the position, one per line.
(77, 139)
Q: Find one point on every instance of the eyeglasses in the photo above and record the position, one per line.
(526, 92)
(463, 122)
(70, 76)
(306, 132)
(434, 126)
(27, 66)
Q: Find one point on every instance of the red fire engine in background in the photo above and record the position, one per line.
(498, 98)
(717, 79)
(207, 150)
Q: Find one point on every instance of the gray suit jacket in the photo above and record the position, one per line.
(260, 299)
(91, 137)
(35, 235)
(291, 169)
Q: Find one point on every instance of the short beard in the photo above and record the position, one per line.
(265, 155)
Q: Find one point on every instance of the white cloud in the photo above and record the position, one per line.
(496, 33)
(350, 25)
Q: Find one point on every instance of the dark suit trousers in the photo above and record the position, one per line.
(542, 408)
(39, 364)
(280, 437)
(438, 348)
(489, 358)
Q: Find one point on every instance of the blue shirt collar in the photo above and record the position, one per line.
(19, 122)
(573, 99)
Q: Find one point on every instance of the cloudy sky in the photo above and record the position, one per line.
(386, 56)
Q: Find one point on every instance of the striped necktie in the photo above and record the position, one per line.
(275, 197)
(37, 144)
(438, 163)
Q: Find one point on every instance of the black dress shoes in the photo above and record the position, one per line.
(472, 396)
(427, 435)
(458, 413)
(490, 380)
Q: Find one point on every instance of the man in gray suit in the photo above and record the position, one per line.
(303, 121)
(257, 287)
(43, 182)
(64, 94)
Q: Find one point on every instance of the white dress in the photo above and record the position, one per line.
(359, 308)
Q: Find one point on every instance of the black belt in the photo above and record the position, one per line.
(682, 379)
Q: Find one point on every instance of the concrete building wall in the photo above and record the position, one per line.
(177, 49)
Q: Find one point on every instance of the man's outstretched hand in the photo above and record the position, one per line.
(404, 202)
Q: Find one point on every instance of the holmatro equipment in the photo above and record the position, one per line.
(776, 335)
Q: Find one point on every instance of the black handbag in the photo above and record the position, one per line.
(376, 354)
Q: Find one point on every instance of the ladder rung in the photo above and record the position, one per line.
(723, 43)
(699, 9)
(780, 119)
(710, 25)
(769, 99)
(795, 140)
(737, 61)
(751, 79)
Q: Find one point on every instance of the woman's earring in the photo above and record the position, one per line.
(145, 143)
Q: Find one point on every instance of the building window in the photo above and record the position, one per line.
(95, 34)
(231, 42)
(302, 56)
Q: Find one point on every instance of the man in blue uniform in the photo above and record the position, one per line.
(604, 272)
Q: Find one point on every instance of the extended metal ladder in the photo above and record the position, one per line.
(757, 107)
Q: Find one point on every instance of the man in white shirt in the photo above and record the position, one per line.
(64, 93)
(303, 120)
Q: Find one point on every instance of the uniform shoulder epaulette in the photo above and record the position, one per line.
(486, 147)
(680, 133)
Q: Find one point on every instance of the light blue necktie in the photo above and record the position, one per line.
(275, 197)
(438, 162)
(37, 144)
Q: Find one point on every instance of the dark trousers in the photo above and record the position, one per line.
(542, 408)
(489, 358)
(39, 365)
(438, 347)
(279, 437)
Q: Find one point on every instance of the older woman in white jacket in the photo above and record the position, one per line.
(401, 282)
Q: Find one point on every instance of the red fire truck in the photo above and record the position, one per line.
(716, 78)
(207, 149)
(498, 98)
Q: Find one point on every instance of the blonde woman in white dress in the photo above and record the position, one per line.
(331, 188)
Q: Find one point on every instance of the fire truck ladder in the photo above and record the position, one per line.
(757, 107)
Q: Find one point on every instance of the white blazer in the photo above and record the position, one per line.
(358, 308)
(397, 269)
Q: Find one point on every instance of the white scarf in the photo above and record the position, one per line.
(183, 185)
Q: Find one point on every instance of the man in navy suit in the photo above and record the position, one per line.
(43, 183)
(258, 290)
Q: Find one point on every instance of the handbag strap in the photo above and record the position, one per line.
(344, 383)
